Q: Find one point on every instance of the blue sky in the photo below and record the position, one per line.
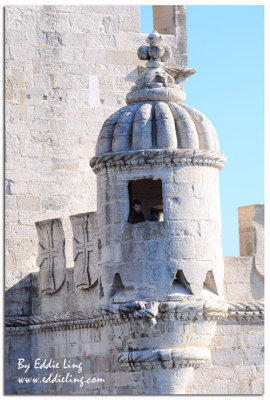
(226, 47)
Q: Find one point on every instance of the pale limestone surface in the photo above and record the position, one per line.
(67, 69)
(251, 234)
(140, 130)
(143, 307)
(189, 239)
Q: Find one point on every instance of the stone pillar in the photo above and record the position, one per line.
(251, 234)
(171, 20)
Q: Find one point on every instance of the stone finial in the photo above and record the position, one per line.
(155, 52)
(158, 81)
(51, 255)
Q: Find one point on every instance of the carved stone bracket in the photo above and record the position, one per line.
(142, 158)
(167, 358)
(51, 255)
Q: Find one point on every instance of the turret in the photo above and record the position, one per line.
(166, 154)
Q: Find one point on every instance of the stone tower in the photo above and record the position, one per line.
(167, 155)
(139, 308)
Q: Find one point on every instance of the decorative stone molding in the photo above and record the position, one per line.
(155, 117)
(215, 310)
(243, 310)
(176, 73)
(142, 158)
(151, 312)
(167, 358)
(155, 83)
(51, 255)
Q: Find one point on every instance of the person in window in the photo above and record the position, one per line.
(136, 214)
(153, 215)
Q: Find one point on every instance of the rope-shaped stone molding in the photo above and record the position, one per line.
(116, 314)
(215, 309)
(168, 358)
(251, 310)
(141, 158)
(108, 314)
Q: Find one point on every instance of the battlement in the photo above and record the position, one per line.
(79, 287)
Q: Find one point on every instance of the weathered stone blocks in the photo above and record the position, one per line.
(251, 234)
(51, 98)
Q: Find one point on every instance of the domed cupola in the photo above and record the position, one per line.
(155, 117)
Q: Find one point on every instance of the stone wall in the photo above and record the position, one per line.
(67, 326)
(237, 361)
(67, 69)
(237, 357)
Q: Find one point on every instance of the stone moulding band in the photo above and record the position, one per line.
(167, 358)
(150, 312)
(142, 158)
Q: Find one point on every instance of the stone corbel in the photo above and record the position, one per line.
(167, 358)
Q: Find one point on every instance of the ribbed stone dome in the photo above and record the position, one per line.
(156, 125)
(155, 117)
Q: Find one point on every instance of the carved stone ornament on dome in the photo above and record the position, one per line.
(155, 119)
(157, 81)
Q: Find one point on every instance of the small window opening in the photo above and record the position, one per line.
(148, 194)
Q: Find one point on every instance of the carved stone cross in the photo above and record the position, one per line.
(85, 249)
(85, 258)
(51, 255)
